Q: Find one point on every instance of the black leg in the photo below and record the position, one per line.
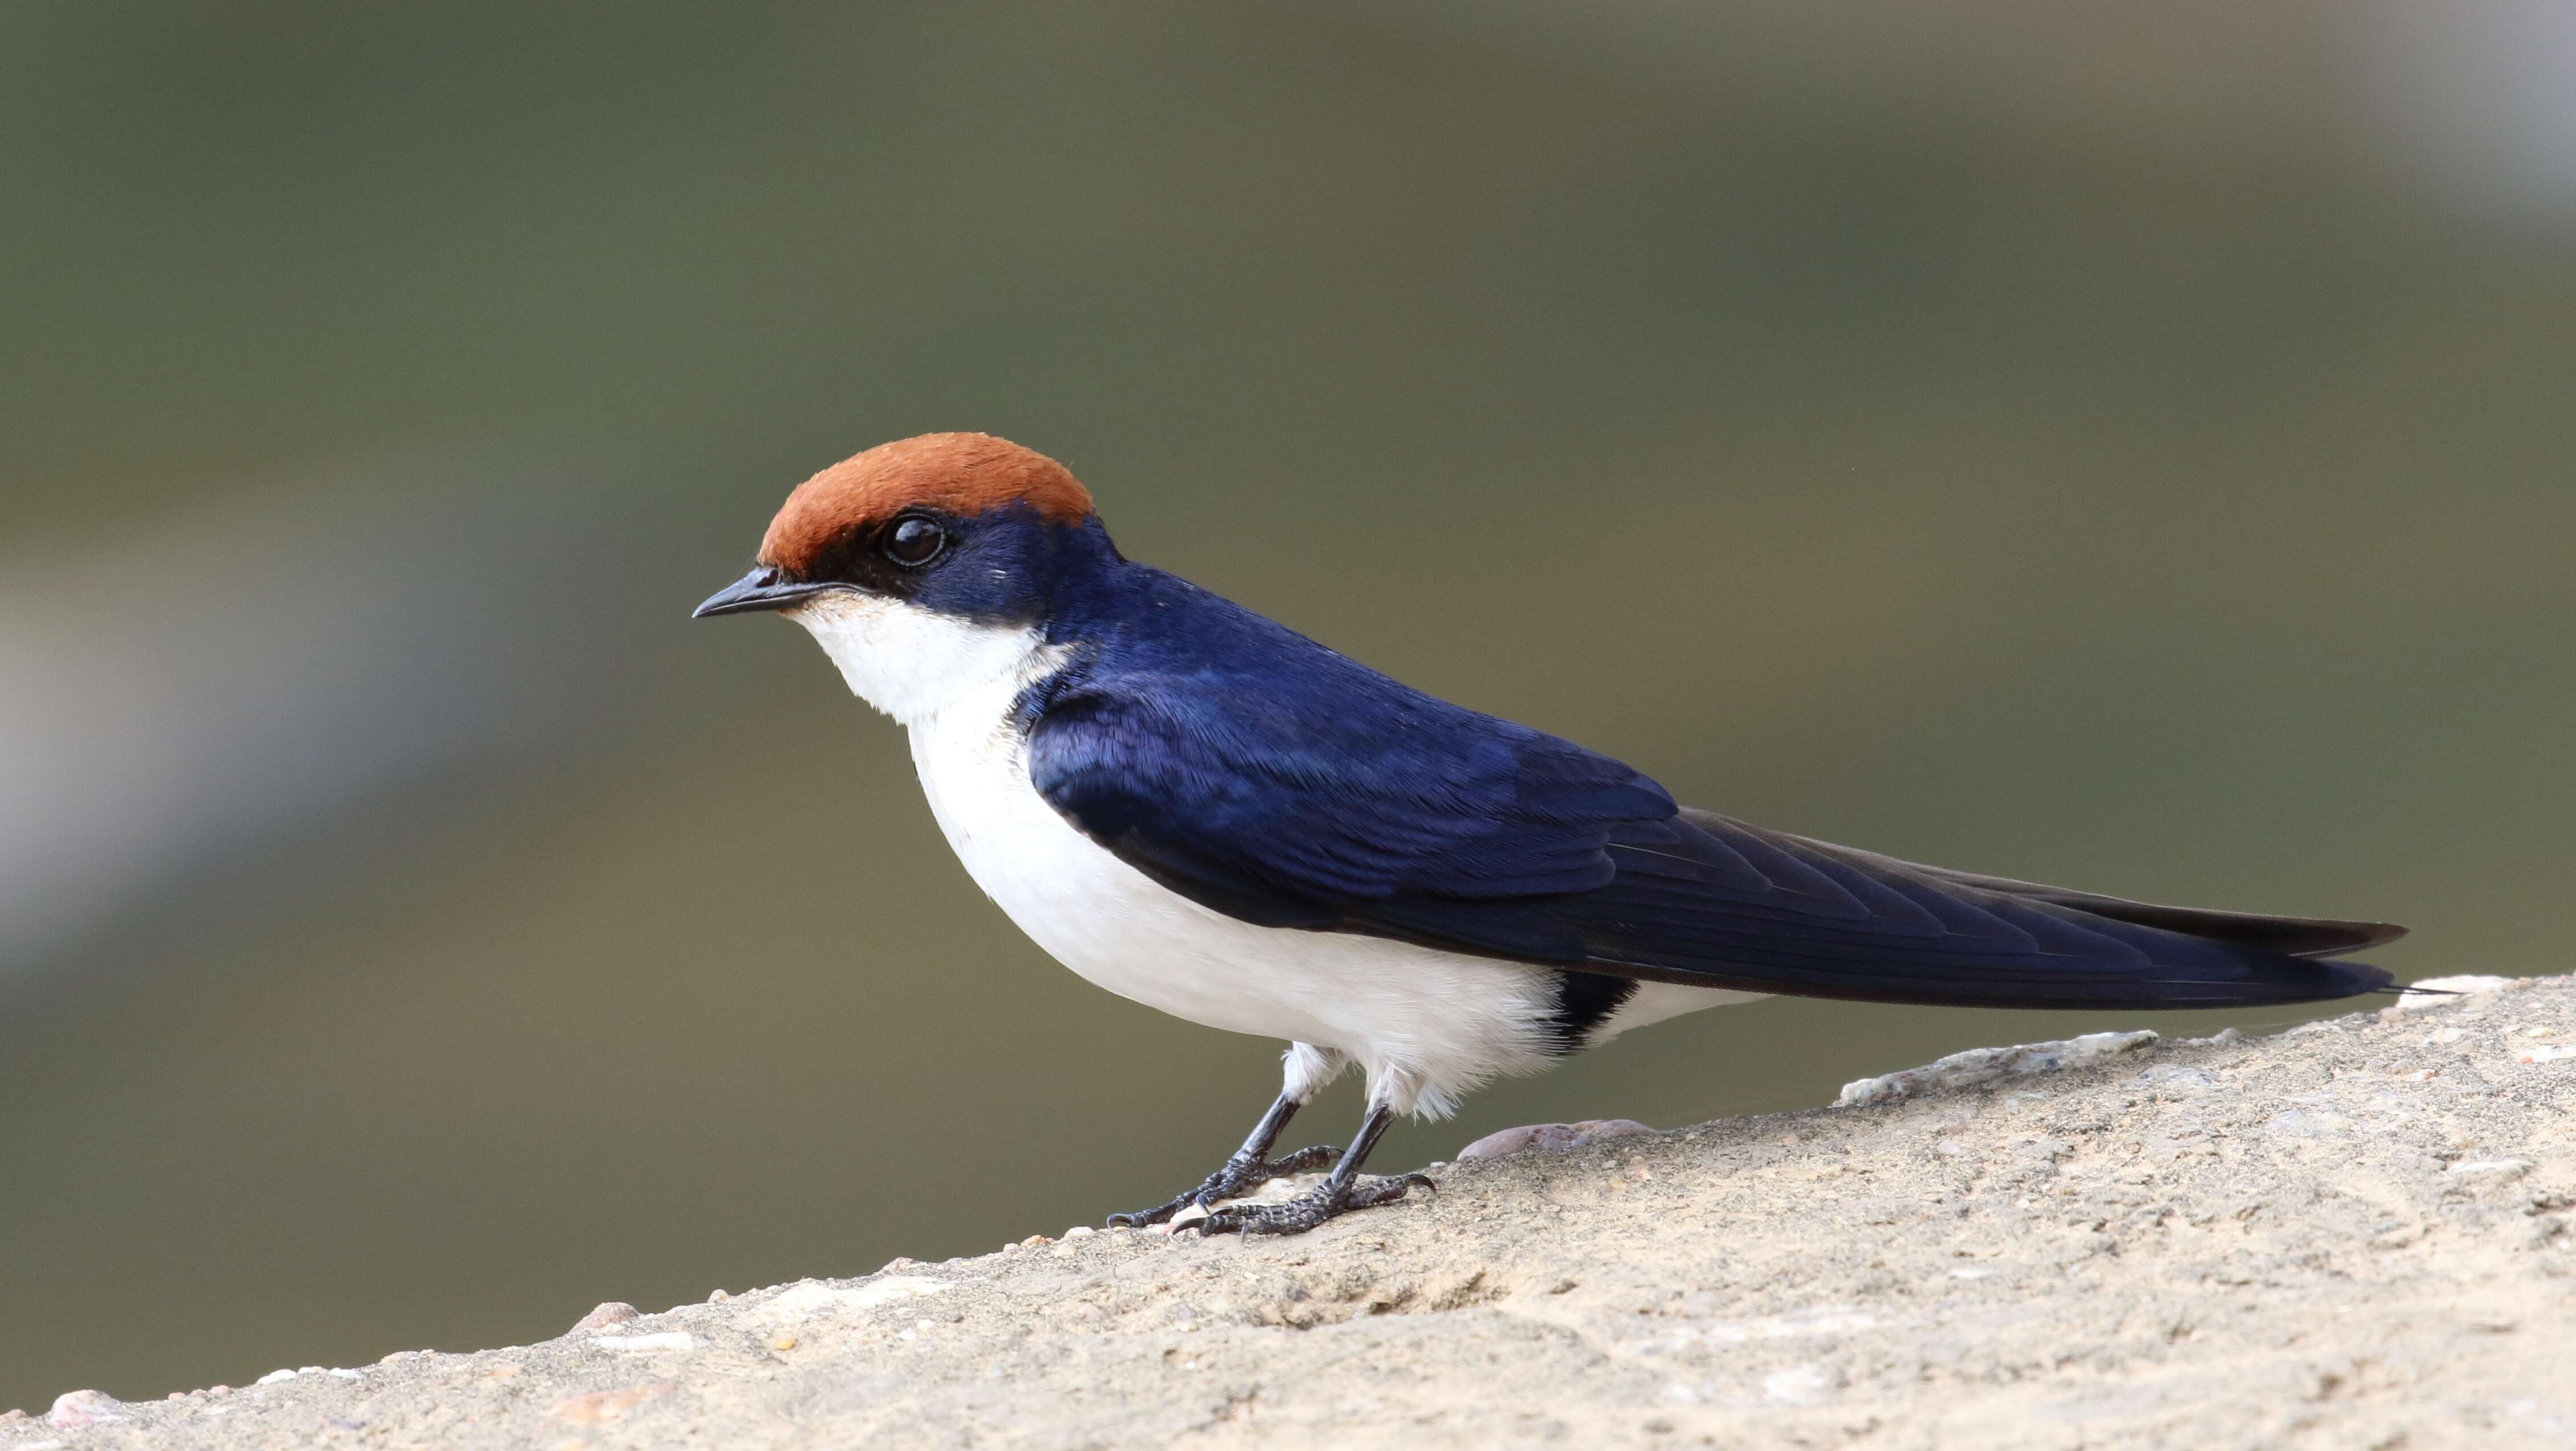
(1340, 1192)
(1249, 1168)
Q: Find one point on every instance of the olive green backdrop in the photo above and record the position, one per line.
(2132, 452)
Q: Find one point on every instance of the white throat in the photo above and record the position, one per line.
(914, 663)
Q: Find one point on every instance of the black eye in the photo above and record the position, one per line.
(914, 542)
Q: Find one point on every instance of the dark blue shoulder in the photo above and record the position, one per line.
(1270, 777)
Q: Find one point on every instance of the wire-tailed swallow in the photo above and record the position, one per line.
(1205, 811)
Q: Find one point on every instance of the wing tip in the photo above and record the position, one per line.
(2367, 935)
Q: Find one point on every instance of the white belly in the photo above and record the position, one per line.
(1425, 1025)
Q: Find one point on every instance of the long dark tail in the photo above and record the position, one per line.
(2295, 936)
(1713, 901)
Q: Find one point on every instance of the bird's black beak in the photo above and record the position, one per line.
(764, 588)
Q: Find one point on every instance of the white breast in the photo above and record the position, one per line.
(1425, 1025)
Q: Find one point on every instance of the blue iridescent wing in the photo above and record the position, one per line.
(1304, 791)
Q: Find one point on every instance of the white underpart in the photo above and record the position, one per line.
(1426, 1026)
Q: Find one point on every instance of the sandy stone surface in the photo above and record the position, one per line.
(2352, 1235)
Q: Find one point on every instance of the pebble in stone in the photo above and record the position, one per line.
(609, 1312)
(1552, 1136)
(82, 1408)
(1079, 1230)
(1979, 1066)
(665, 1340)
(2442, 992)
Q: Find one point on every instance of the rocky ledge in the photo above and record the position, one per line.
(2350, 1235)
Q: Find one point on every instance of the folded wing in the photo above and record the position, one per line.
(1355, 804)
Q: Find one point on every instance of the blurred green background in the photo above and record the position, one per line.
(2127, 449)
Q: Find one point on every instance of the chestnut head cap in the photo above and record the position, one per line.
(960, 474)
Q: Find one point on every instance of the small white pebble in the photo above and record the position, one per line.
(273, 1377)
(717, 1297)
(1079, 1231)
(82, 1408)
(2446, 991)
(666, 1340)
(345, 1374)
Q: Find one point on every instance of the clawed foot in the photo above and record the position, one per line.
(1296, 1216)
(1240, 1175)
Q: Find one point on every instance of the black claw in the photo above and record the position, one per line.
(1138, 1219)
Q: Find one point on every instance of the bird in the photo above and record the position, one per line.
(1204, 811)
